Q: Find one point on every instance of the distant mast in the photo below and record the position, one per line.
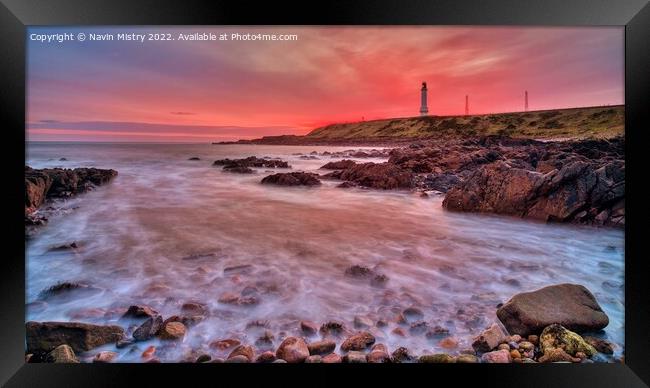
(526, 101)
(424, 109)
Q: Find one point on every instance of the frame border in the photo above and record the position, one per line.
(15, 15)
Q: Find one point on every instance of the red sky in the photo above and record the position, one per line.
(211, 91)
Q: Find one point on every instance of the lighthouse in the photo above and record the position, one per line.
(424, 110)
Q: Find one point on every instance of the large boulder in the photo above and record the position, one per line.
(569, 305)
(43, 337)
(384, 176)
(292, 179)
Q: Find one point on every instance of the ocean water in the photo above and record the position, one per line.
(162, 233)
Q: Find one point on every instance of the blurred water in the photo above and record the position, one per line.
(134, 234)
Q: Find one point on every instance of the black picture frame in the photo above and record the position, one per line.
(15, 15)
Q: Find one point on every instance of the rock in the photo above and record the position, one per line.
(448, 343)
(355, 357)
(402, 355)
(321, 347)
(43, 337)
(266, 357)
(224, 344)
(246, 351)
(526, 346)
(203, 358)
(140, 311)
(194, 158)
(292, 179)
(103, 357)
(60, 183)
(339, 165)
(379, 280)
(149, 352)
(239, 359)
(503, 346)
(313, 359)
(362, 322)
(193, 309)
(251, 161)
(440, 358)
(332, 328)
(359, 271)
(293, 350)
(467, 359)
(418, 327)
(308, 327)
(557, 355)
(378, 354)
(172, 331)
(62, 354)
(412, 313)
(533, 339)
(148, 328)
(384, 176)
(515, 353)
(569, 305)
(437, 332)
(399, 331)
(331, 358)
(359, 341)
(238, 169)
(279, 361)
(497, 357)
(266, 340)
(556, 336)
(601, 345)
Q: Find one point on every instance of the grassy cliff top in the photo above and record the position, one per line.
(573, 123)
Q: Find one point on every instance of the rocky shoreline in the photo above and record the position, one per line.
(541, 326)
(43, 186)
(570, 181)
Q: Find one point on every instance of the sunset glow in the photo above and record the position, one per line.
(202, 91)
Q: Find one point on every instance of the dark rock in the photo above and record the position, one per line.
(402, 355)
(359, 271)
(339, 165)
(569, 305)
(251, 161)
(140, 311)
(359, 341)
(148, 328)
(292, 179)
(194, 158)
(384, 176)
(45, 336)
(308, 327)
(266, 357)
(601, 345)
(239, 169)
(203, 358)
(332, 328)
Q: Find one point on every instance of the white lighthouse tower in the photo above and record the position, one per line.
(424, 110)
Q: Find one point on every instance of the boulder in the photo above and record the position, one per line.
(140, 311)
(293, 350)
(383, 176)
(292, 179)
(402, 355)
(104, 357)
(251, 161)
(331, 358)
(45, 336)
(355, 357)
(569, 305)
